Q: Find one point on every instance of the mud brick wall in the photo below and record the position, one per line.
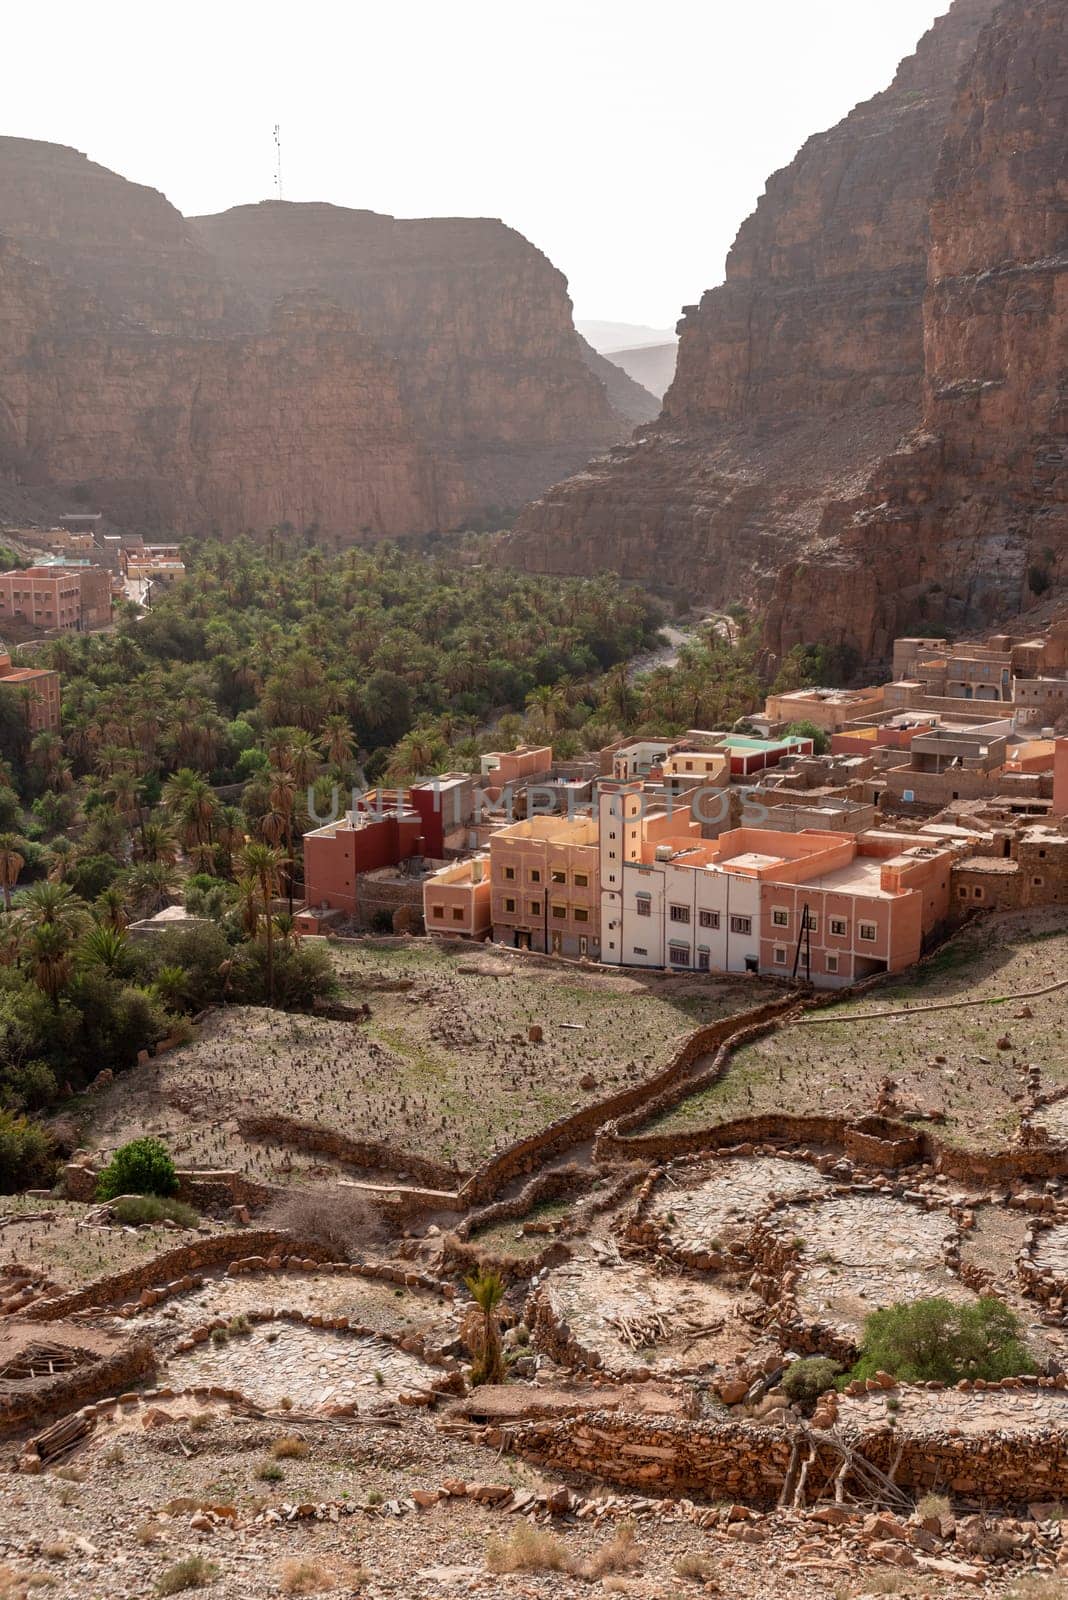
(213, 1251)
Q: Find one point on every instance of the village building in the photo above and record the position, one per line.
(37, 689)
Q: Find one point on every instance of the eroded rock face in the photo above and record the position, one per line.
(297, 363)
(888, 341)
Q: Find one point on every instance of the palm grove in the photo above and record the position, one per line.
(271, 678)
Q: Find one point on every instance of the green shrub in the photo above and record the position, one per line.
(192, 1572)
(805, 1380)
(134, 1209)
(938, 1340)
(143, 1166)
(26, 1158)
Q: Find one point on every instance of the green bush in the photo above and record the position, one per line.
(134, 1209)
(192, 1572)
(143, 1166)
(939, 1340)
(26, 1158)
(805, 1380)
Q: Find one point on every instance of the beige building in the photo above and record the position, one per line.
(827, 709)
(457, 899)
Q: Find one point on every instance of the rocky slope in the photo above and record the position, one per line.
(279, 363)
(883, 328)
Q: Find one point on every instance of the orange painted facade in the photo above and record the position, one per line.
(39, 688)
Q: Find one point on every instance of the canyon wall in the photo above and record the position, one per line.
(303, 364)
(887, 352)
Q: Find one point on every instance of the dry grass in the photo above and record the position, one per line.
(1038, 1586)
(316, 1577)
(192, 1572)
(527, 1549)
(287, 1447)
(694, 1566)
(57, 1549)
(532, 1549)
(933, 1505)
(148, 1533)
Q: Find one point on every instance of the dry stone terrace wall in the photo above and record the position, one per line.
(528, 1154)
(103, 1372)
(213, 1251)
(364, 1153)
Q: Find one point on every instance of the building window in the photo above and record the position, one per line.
(645, 908)
(584, 946)
(509, 873)
(709, 919)
(839, 927)
(779, 957)
(867, 931)
(534, 907)
(810, 921)
(639, 951)
(582, 880)
(679, 955)
(741, 924)
(611, 855)
(457, 913)
(437, 911)
(509, 905)
(1036, 883)
(780, 917)
(558, 875)
(977, 893)
(832, 963)
(559, 912)
(680, 913)
(702, 961)
(582, 914)
(963, 892)
(535, 874)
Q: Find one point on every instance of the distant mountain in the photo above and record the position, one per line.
(651, 365)
(625, 394)
(609, 336)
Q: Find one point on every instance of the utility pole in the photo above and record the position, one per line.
(277, 161)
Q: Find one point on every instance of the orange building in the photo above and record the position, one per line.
(384, 831)
(457, 900)
(57, 597)
(546, 886)
(39, 688)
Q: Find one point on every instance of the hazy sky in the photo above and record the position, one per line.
(626, 138)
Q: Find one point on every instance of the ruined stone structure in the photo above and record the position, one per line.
(280, 363)
(866, 433)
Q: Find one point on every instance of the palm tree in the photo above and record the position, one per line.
(339, 741)
(50, 919)
(11, 864)
(47, 948)
(231, 833)
(487, 1291)
(150, 886)
(106, 948)
(264, 863)
(158, 843)
(110, 907)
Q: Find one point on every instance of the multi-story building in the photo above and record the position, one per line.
(457, 899)
(545, 889)
(64, 596)
(827, 709)
(382, 832)
(38, 690)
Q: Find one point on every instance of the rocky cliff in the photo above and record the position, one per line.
(279, 363)
(889, 326)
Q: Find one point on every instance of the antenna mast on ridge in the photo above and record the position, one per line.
(277, 161)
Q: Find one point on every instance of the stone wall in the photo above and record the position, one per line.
(214, 1250)
(132, 1362)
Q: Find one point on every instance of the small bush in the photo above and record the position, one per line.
(620, 1554)
(527, 1549)
(219, 1336)
(938, 1340)
(696, 1567)
(199, 1421)
(148, 1533)
(192, 1572)
(143, 1166)
(804, 1381)
(287, 1447)
(26, 1155)
(309, 1577)
(239, 1326)
(933, 1505)
(270, 1472)
(135, 1210)
(340, 1219)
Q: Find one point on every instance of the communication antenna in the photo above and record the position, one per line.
(278, 161)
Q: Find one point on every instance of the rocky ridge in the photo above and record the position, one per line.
(299, 363)
(888, 341)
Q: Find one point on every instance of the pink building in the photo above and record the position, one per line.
(457, 900)
(1060, 778)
